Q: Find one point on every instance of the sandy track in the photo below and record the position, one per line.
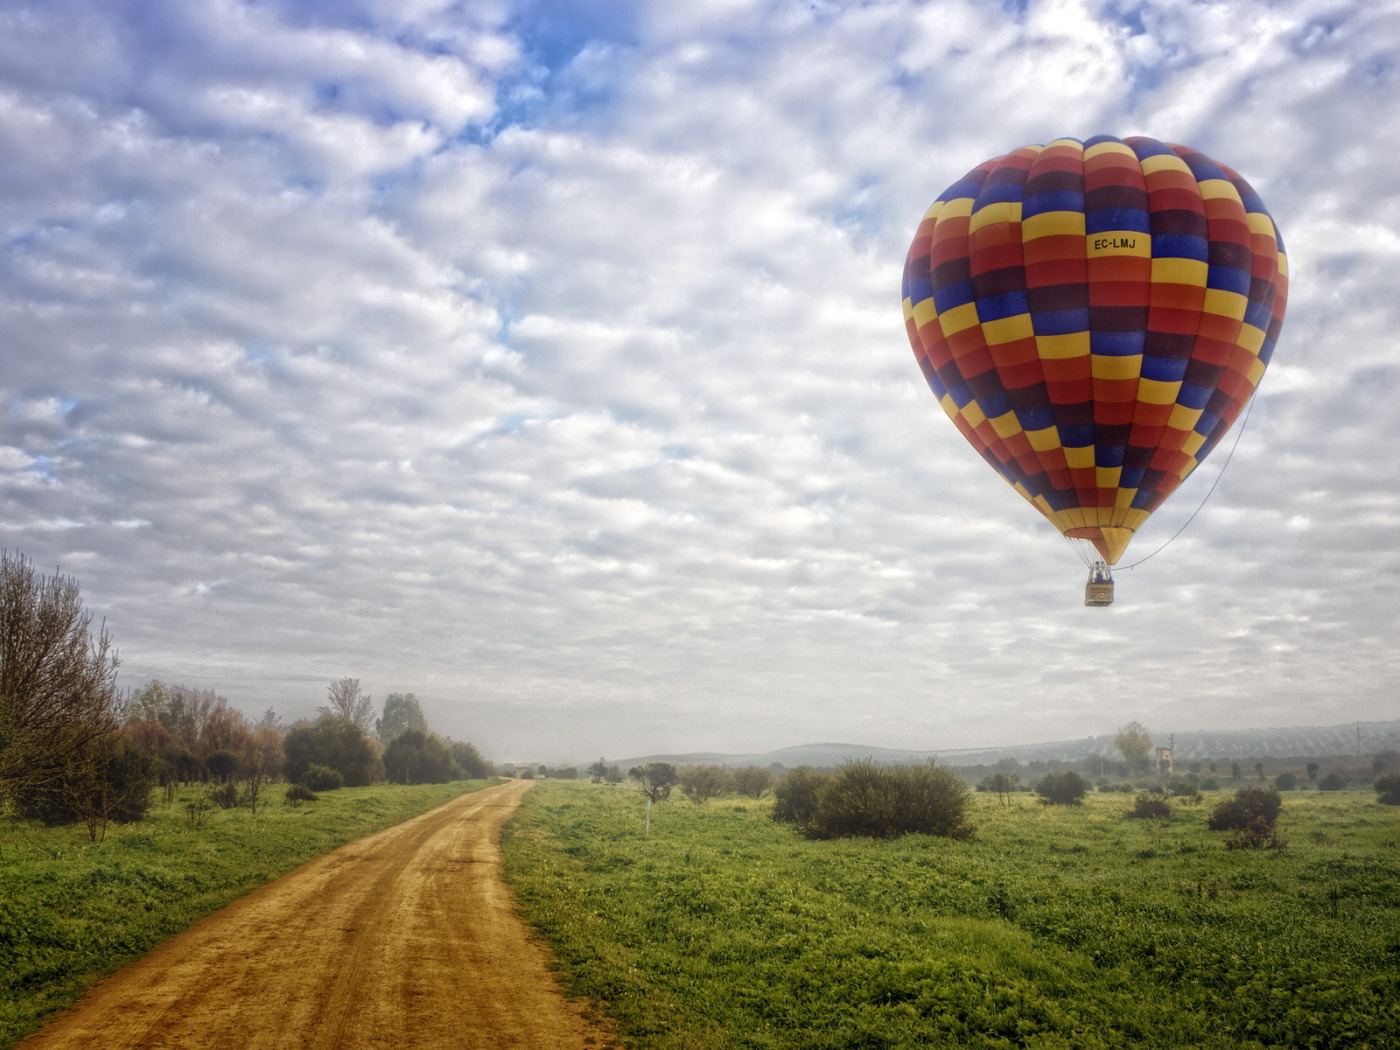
(405, 939)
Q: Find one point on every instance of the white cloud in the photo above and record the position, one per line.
(589, 413)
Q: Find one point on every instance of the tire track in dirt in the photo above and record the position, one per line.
(407, 938)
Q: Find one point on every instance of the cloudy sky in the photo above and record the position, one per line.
(545, 359)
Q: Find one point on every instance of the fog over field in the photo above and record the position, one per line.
(545, 359)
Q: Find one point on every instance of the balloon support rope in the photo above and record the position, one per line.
(1223, 467)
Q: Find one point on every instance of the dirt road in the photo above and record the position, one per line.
(405, 939)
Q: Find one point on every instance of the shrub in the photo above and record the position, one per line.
(109, 781)
(1064, 787)
(225, 796)
(300, 793)
(1151, 807)
(752, 781)
(862, 799)
(1251, 814)
(1186, 789)
(1286, 782)
(322, 778)
(702, 783)
(1388, 789)
(795, 797)
(1332, 782)
(1248, 805)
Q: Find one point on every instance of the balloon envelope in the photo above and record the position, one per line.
(1093, 316)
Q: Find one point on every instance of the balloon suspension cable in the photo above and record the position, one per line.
(1223, 467)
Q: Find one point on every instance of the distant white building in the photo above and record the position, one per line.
(1164, 760)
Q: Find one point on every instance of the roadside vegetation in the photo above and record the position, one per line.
(73, 910)
(1097, 925)
(125, 818)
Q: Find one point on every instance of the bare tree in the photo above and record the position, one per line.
(344, 700)
(58, 691)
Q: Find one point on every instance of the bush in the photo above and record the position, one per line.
(1062, 788)
(1286, 782)
(225, 796)
(1151, 807)
(1388, 789)
(322, 778)
(1332, 782)
(752, 781)
(1247, 807)
(702, 783)
(863, 799)
(300, 793)
(111, 781)
(1251, 815)
(795, 797)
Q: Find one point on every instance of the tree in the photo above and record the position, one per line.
(752, 781)
(345, 701)
(702, 783)
(1063, 787)
(598, 771)
(1313, 768)
(401, 714)
(469, 759)
(1387, 761)
(1003, 785)
(1134, 744)
(1286, 782)
(336, 744)
(416, 757)
(655, 779)
(58, 692)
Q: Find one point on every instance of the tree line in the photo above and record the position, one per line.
(72, 748)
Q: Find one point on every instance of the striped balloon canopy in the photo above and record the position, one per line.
(1093, 316)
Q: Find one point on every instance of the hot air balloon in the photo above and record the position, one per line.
(1093, 316)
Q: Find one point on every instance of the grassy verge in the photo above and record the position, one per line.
(1059, 927)
(73, 911)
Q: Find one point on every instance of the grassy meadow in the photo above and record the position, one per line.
(1057, 927)
(73, 911)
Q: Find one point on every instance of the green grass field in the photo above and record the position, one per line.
(72, 911)
(1058, 927)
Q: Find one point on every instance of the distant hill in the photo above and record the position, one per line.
(1295, 742)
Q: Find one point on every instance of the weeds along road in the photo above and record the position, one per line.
(405, 939)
